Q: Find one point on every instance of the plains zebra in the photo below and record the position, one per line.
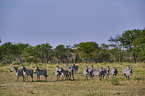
(27, 72)
(41, 72)
(18, 72)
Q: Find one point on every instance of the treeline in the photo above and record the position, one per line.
(127, 47)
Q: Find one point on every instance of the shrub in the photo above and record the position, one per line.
(114, 81)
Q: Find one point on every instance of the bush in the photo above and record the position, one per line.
(114, 81)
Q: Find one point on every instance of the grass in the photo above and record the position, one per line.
(78, 87)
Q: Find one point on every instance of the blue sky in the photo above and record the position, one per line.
(68, 22)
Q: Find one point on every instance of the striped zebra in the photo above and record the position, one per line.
(64, 73)
(127, 72)
(27, 72)
(91, 72)
(17, 72)
(86, 72)
(106, 72)
(58, 73)
(75, 67)
(98, 73)
(41, 72)
(114, 72)
(71, 71)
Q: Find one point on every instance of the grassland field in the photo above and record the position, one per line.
(78, 87)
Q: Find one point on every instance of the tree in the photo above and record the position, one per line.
(44, 52)
(127, 40)
(116, 52)
(87, 49)
(60, 53)
(18, 50)
(138, 44)
(7, 52)
(103, 54)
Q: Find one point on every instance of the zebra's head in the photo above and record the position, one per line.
(61, 69)
(57, 68)
(128, 67)
(22, 67)
(101, 69)
(13, 69)
(86, 68)
(73, 64)
(114, 68)
(108, 68)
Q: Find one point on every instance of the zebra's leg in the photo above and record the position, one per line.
(32, 77)
(57, 77)
(92, 76)
(100, 77)
(69, 76)
(103, 76)
(62, 76)
(128, 77)
(37, 77)
(86, 76)
(73, 76)
(17, 77)
(23, 78)
(27, 78)
(45, 75)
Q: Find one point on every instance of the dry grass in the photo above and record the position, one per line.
(79, 87)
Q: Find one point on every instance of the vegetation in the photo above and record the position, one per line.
(129, 46)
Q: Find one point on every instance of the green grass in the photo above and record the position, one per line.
(78, 87)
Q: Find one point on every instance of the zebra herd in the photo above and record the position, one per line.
(25, 73)
(90, 72)
(69, 72)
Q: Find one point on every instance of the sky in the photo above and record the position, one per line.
(68, 22)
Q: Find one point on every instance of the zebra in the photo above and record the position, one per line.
(127, 72)
(91, 72)
(114, 72)
(17, 72)
(71, 72)
(98, 73)
(58, 73)
(106, 72)
(64, 73)
(86, 72)
(75, 67)
(41, 72)
(27, 72)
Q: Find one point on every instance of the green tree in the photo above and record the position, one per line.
(116, 52)
(6, 52)
(60, 53)
(103, 53)
(138, 44)
(128, 38)
(86, 50)
(44, 52)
